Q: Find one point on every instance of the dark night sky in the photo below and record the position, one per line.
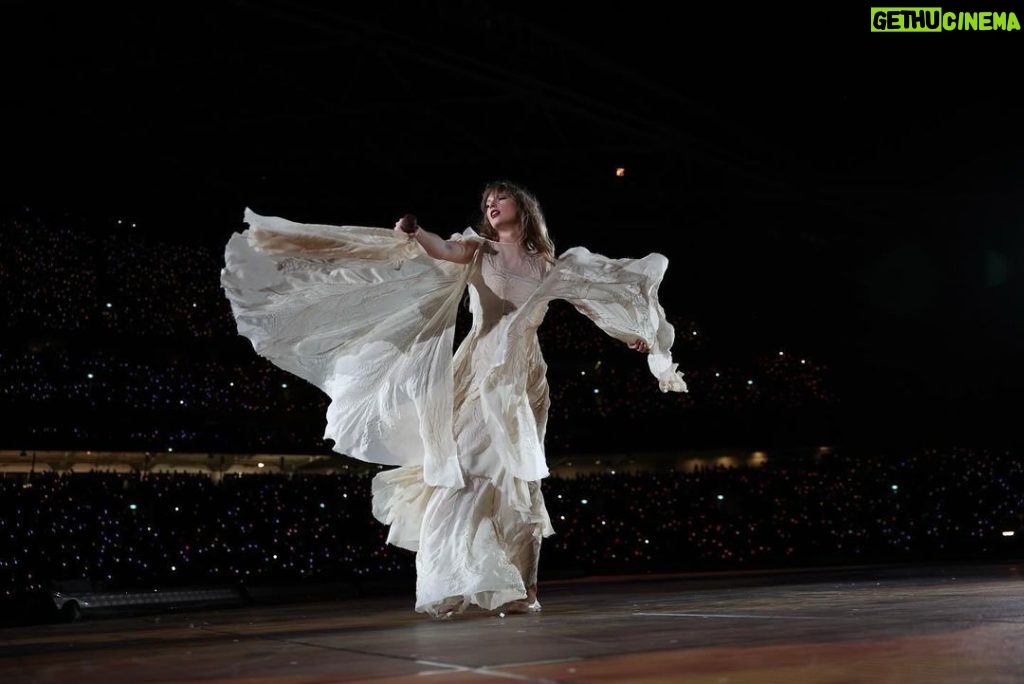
(850, 195)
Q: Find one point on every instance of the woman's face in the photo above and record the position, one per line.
(501, 209)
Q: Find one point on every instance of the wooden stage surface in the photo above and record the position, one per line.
(937, 623)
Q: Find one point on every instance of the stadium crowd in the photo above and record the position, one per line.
(170, 529)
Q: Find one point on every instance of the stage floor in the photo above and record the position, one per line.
(952, 623)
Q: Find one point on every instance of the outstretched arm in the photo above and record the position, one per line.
(450, 250)
(621, 297)
(638, 344)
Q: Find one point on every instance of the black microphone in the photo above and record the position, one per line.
(408, 223)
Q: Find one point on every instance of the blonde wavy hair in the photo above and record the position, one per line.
(535, 230)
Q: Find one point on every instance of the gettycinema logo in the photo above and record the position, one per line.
(925, 19)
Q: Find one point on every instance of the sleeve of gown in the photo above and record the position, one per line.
(365, 315)
(621, 297)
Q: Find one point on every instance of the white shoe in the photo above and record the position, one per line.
(448, 608)
(516, 607)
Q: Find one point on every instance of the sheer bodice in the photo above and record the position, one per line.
(503, 281)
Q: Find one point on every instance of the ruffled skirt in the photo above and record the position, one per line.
(475, 545)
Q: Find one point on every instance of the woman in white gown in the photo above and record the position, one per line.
(368, 316)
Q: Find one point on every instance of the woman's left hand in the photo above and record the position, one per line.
(640, 346)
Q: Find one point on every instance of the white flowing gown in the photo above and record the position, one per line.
(369, 318)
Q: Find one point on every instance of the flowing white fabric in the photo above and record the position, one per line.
(369, 318)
